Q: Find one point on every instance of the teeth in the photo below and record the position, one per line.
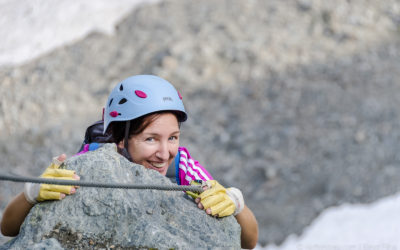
(158, 165)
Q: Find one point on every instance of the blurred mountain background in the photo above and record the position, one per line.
(294, 102)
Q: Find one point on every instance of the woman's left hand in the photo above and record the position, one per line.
(35, 192)
(219, 201)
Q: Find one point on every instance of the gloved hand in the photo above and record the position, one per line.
(221, 202)
(35, 192)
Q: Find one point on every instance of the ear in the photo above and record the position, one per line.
(121, 144)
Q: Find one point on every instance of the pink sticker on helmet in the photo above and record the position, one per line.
(114, 113)
(179, 94)
(140, 94)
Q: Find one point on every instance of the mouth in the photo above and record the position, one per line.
(158, 166)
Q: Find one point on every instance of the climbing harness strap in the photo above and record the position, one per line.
(177, 159)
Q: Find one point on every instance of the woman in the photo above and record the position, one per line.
(142, 116)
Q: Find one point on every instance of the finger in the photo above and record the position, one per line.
(227, 211)
(76, 177)
(57, 188)
(57, 161)
(49, 195)
(192, 194)
(207, 193)
(222, 206)
(199, 205)
(212, 191)
(212, 200)
(50, 172)
(197, 200)
(62, 178)
(61, 158)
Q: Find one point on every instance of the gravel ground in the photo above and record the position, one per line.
(294, 102)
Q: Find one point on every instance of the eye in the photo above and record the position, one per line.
(150, 139)
(173, 138)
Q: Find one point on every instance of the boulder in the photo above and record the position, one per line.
(122, 218)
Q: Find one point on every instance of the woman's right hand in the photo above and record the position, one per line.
(35, 192)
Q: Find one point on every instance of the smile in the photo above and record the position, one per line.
(158, 165)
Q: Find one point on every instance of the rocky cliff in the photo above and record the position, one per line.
(294, 102)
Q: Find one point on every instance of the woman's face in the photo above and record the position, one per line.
(156, 147)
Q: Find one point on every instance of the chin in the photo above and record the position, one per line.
(163, 172)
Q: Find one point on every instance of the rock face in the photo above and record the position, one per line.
(119, 218)
(293, 102)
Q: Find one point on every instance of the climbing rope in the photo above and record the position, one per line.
(15, 178)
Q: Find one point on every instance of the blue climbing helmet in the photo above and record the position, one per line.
(140, 95)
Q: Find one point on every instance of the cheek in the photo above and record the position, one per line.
(173, 152)
(140, 152)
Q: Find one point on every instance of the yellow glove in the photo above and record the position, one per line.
(35, 192)
(194, 195)
(222, 202)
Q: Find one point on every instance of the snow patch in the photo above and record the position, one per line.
(30, 28)
(351, 227)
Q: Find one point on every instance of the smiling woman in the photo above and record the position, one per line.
(157, 145)
(142, 116)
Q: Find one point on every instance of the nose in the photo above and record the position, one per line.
(163, 151)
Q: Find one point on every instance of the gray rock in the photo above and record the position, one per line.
(47, 244)
(119, 218)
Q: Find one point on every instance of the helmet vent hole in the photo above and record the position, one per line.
(110, 102)
(122, 101)
(121, 87)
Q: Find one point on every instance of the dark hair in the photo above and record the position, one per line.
(116, 129)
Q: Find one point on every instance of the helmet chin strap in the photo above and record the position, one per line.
(125, 152)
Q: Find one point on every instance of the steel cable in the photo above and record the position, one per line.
(16, 178)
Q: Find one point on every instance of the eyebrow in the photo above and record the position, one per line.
(155, 134)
